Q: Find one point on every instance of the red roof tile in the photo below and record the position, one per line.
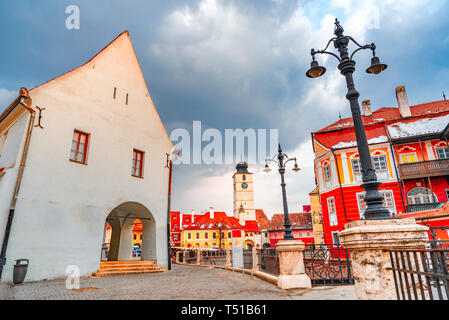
(301, 220)
(204, 222)
(262, 221)
(342, 131)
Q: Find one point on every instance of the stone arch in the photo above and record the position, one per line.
(249, 244)
(122, 219)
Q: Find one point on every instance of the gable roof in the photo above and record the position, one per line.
(123, 39)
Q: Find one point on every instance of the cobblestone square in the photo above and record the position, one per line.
(181, 283)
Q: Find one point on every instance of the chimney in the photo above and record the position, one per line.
(366, 106)
(193, 216)
(211, 210)
(404, 107)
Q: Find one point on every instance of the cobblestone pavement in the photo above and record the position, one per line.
(183, 282)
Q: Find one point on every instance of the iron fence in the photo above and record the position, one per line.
(190, 257)
(326, 264)
(216, 258)
(268, 261)
(420, 274)
(247, 259)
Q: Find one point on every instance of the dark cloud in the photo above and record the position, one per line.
(237, 63)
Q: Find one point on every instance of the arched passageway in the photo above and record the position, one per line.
(129, 234)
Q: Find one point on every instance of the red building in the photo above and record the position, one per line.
(410, 154)
(301, 225)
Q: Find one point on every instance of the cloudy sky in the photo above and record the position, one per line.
(237, 64)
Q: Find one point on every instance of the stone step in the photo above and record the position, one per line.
(129, 268)
(126, 265)
(103, 273)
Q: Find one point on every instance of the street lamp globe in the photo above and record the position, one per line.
(315, 70)
(376, 66)
(296, 168)
(267, 169)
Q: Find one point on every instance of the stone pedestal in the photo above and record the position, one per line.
(255, 259)
(198, 257)
(178, 253)
(291, 265)
(184, 256)
(368, 242)
(228, 258)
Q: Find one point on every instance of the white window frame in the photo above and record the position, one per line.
(358, 164)
(445, 153)
(335, 233)
(333, 220)
(327, 172)
(392, 208)
(384, 156)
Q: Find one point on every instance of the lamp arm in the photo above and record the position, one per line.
(289, 160)
(367, 46)
(326, 52)
(356, 43)
(327, 46)
(272, 160)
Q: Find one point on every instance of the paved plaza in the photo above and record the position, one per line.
(183, 282)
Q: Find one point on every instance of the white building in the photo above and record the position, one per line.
(100, 156)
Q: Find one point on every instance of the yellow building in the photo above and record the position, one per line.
(211, 230)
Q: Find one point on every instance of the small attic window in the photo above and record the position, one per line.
(115, 92)
(126, 99)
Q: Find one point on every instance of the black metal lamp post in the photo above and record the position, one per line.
(281, 164)
(374, 200)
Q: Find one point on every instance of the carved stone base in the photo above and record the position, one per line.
(291, 265)
(368, 242)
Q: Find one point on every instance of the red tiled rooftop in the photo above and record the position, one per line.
(301, 220)
(342, 131)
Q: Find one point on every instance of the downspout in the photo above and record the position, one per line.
(396, 158)
(24, 98)
(339, 182)
(170, 164)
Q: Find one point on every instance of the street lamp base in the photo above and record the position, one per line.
(374, 200)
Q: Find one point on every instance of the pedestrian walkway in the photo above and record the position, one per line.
(183, 282)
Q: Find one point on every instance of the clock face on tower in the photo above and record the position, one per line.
(244, 185)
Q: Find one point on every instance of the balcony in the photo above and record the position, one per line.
(424, 206)
(416, 170)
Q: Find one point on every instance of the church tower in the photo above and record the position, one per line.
(244, 208)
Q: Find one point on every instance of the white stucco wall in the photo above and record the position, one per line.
(62, 206)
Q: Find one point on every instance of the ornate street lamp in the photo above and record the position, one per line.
(373, 198)
(281, 164)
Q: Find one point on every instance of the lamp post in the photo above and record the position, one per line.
(281, 164)
(374, 200)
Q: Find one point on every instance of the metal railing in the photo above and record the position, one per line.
(327, 264)
(215, 258)
(430, 168)
(190, 257)
(424, 206)
(420, 274)
(247, 259)
(268, 260)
